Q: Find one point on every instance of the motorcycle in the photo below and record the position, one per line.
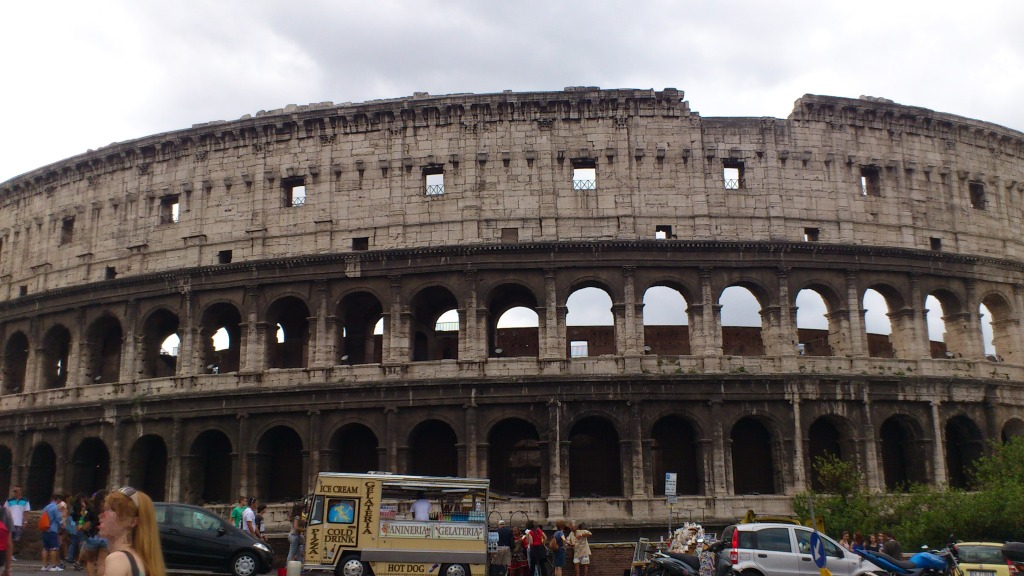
(672, 564)
(944, 562)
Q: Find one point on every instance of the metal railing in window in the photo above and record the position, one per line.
(446, 327)
(435, 190)
(734, 184)
(584, 185)
(168, 219)
(298, 201)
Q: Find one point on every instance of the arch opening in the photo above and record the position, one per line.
(432, 450)
(824, 440)
(354, 448)
(103, 346)
(594, 462)
(358, 315)
(903, 458)
(666, 323)
(812, 324)
(514, 323)
(514, 458)
(147, 466)
(589, 323)
(15, 363)
(210, 466)
(279, 463)
(675, 448)
(435, 325)
(753, 465)
(221, 331)
(160, 341)
(90, 466)
(287, 333)
(55, 353)
(42, 471)
(964, 446)
(742, 322)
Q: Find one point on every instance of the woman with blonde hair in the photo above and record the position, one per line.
(128, 522)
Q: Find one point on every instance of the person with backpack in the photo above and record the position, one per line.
(6, 540)
(49, 523)
(538, 554)
(557, 547)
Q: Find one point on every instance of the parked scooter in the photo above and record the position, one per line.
(672, 564)
(944, 562)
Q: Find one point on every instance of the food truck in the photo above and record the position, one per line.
(397, 525)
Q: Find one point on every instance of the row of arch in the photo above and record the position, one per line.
(516, 457)
(514, 323)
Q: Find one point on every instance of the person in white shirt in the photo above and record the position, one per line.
(421, 507)
(17, 506)
(249, 519)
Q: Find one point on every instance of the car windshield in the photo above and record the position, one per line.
(973, 554)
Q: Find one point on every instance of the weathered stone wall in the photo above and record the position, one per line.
(186, 233)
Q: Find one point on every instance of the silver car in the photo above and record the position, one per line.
(775, 549)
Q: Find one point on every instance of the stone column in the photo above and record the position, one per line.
(252, 351)
(390, 439)
(778, 327)
(60, 479)
(627, 343)
(33, 363)
(129, 367)
(471, 438)
(921, 346)
(963, 330)
(706, 334)
(313, 462)
(472, 333)
(117, 456)
(857, 331)
(556, 492)
(875, 481)
(939, 455)
(78, 368)
(175, 469)
(799, 470)
(552, 347)
(396, 341)
(322, 353)
(188, 347)
(721, 480)
(244, 481)
(638, 480)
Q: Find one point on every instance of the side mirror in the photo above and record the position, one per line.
(221, 531)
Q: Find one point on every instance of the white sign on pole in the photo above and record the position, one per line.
(670, 483)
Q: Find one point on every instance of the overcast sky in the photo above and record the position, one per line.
(81, 75)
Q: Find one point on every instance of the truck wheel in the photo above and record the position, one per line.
(455, 570)
(352, 566)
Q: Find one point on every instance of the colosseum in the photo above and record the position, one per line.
(230, 308)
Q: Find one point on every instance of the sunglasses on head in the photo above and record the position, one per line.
(131, 493)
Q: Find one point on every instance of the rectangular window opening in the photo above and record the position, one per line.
(663, 232)
(433, 180)
(224, 257)
(509, 235)
(294, 191)
(936, 244)
(977, 190)
(578, 349)
(811, 234)
(584, 174)
(870, 181)
(67, 230)
(22, 290)
(732, 174)
(169, 209)
(110, 273)
(361, 243)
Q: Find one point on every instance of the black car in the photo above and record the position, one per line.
(193, 538)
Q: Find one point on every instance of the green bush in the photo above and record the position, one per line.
(924, 515)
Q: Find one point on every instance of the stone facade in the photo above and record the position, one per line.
(294, 232)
